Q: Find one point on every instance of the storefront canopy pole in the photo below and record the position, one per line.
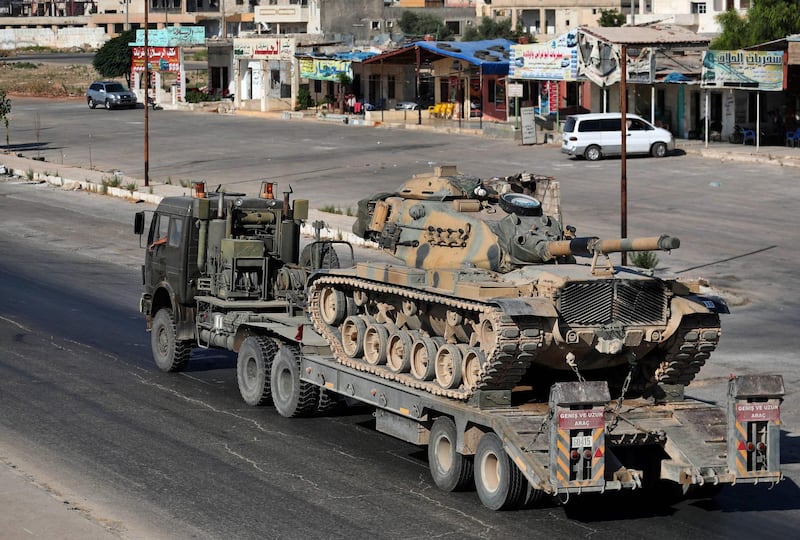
(419, 105)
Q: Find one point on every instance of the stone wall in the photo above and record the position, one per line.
(56, 38)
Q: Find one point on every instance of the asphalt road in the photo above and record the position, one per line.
(181, 456)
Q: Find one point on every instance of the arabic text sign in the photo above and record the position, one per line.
(173, 36)
(158, 59)
(270, 49)
(757, 70)
(324, 70)
(543, 62)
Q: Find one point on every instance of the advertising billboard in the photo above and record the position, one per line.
(757, 70)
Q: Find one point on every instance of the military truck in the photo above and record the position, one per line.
(524, 371)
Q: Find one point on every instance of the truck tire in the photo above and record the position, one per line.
(169, 353)
(254, 369)
(450, 470)
(326, 255)
(291, 396)
(498, 481)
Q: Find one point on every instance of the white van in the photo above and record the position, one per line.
(596, 135)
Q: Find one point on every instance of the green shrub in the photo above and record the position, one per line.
(644, 259)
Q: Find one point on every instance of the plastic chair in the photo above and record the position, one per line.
(435, 111)
(793, 137)
(448, 110)
(748, 134)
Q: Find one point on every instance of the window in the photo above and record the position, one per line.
(391, 82)
(454, 27)
(175, 228)
(375, 25)
(698, 7)
(317, 86)
(389, 24)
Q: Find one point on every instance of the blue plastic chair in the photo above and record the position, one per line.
(793, 137)
(748, 134)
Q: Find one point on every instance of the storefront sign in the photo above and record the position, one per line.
(173, 36)
(324, 70)
(756, 70)
(266, 48)
(544, 62)
(159, 59)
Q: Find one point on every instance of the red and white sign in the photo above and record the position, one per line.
(757, 412)
(159, 58)
(581, 418)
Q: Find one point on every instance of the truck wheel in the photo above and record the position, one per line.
(592, 153)
(253, 369)
(659, 150)
(322, 254)
(291, 396)
(499, 482)
(169, 353)
(450, 470)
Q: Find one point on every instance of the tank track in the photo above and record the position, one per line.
(693, 342)
(516, 342)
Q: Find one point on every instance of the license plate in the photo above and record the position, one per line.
(584, 441)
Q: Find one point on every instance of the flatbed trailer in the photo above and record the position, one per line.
(579, 442)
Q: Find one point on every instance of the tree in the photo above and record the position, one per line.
(114, 58)
(766, 20)
(414, 24)
(611, 17)
(490, 28)
(5, 110)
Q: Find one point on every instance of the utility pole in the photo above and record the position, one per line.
(146, 98)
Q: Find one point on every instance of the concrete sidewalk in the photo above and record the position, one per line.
(33, 510)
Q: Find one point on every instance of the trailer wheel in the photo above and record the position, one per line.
(169, 353)
(253, 369)
(291, 396)
(499, 482)
(450, 470)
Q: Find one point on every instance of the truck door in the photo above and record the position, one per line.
(165, 260)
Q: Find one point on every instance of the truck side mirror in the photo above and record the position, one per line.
(138, 223)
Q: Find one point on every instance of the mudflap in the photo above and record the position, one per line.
(577, 436)
(754, 423)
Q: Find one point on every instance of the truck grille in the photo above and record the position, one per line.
(609, 301)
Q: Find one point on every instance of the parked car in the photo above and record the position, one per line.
(111, 94)
(593, 136)
(406, 106)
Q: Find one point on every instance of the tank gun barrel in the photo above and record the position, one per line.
(592, 245)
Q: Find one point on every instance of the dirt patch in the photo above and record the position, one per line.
(46, 80)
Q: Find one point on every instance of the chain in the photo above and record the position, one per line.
(621, 398)
(574, 365)
(541, 430)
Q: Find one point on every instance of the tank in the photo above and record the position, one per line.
(491, 293)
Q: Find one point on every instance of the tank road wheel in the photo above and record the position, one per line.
(471, 367)
(353, 331)
(169, 353)
(423, 356)
(376, 340)
(592, 153)
(253, 369)
(333, 306)
(398, 351)
(499, 482)
(450, 470)
(291, 396)
(448, 366)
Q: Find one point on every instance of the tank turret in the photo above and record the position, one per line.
(490, 293)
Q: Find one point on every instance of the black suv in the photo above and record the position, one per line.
(111, 94)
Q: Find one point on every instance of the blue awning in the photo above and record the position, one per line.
(492, 55)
